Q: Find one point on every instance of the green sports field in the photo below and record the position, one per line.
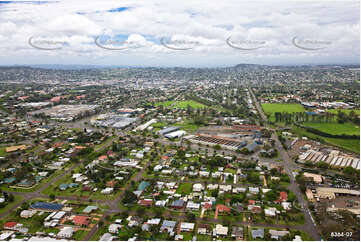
(181, 104)
(272, 108)
(193, 104)
(347, 111)
(164, 104)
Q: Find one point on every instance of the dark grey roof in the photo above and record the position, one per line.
(252, 146)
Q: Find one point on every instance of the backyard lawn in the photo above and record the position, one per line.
(17, 199)
(184, 188)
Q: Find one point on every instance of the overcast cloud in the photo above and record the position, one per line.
(180, 33)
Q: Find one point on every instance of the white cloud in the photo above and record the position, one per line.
(208, 22)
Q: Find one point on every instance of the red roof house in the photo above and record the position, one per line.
(103, 158)
(57, 145)
(283, 197)
(223, 208)
(147, 203)
(251, 202)
(81, 220)
(55, 99)
(110, 153)
(10, 225)
(80, 97)
(207, 206)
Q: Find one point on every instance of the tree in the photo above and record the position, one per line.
(191, 217)
(11, 198)
(217, 147)
(129, 197)
(140, 211)
(52, 196)
(215, 193)
(322, 165)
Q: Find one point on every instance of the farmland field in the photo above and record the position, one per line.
(335, 128)
(271, 108)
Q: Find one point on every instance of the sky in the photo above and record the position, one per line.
(202, 33)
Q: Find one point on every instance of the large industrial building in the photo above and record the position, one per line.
(113, 121)
(334, 159)
(331, 192)
(224, 142)
(168, 130)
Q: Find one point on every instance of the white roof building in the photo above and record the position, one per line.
(270, 212)
(225, 188)
(65, 232)
(254, 190)
(186, 227)
(198, 187)
(153, 221)
(193, 206)
(160, 203)
(107, 190)
(106, 237)
(220, 230)
(212, 186)
(27, 213)
(114, 228)
(286, 205)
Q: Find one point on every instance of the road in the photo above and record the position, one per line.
(309, 225)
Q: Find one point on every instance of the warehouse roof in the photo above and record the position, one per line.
(46, 206)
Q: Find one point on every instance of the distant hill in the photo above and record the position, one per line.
(73, 67)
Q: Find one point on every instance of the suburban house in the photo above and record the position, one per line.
(81, 220)
(168, 226)
(186, 227)
(65, 233)
(193, 206)
(223, 208)
(114, 228)
(177, 204)
(276, 234)
(237, 233)
(220, 230)
(146, 202)
(257, 233)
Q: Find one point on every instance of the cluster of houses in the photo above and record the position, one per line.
(59, 216)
